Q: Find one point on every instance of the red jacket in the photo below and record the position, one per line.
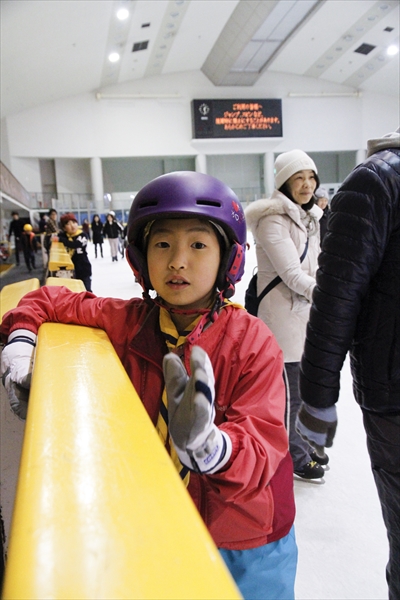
(250, 502)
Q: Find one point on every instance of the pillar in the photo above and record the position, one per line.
(361, 155)
(201, 163)
(269, 179)
(96, 172)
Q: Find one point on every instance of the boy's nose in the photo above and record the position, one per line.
(177, 261)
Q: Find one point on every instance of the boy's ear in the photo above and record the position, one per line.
(138, 264)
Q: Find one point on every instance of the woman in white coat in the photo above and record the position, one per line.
(284, 226)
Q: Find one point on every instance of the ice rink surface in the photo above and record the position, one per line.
(340, 533)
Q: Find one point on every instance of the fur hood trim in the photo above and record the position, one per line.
(277, 204)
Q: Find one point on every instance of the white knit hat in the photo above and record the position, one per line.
(289, 163)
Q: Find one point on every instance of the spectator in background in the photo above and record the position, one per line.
(97, 235)
(111, 231)
(29, 246)
(356, 308)
(286, 233)
(322, 197)
(86, 228)
(15, 229)
(52, 228)
(42, 223)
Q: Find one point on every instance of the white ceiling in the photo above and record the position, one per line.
(51, 49)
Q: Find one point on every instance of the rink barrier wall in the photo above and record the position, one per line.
(11, 294)
(60, 262)
(100, 511)
(75, 285)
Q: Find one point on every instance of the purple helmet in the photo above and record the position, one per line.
(187, 194)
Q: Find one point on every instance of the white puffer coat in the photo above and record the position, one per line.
(280, 228)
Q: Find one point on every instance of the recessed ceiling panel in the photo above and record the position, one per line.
(200, 28)
(319, 35)
(147, 13)
(348, 65)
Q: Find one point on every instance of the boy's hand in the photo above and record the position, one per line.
(317, 426)
(200, 445)
(16, 369)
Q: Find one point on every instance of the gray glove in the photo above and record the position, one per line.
(16, 369)
(317, 426)
(200, 445)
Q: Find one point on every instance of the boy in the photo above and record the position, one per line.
(219, 408)
(29, 246)
(76, 241)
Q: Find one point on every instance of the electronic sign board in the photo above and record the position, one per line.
(237, 118)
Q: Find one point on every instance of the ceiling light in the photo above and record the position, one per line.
(392, 50)
(122, 14)
(113, 57)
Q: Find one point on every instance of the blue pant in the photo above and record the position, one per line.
(267, 572)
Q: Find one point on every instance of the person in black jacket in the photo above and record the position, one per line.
(112, 231)
(97, 234)
(356, 308)
(15, 229)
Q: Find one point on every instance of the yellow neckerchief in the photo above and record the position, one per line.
(175, 340)
(71, 251)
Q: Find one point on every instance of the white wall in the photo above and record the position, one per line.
(73, 175)
(82, 127)
(27, 171)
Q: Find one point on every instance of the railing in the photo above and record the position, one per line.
(63, 202)
(12, 187)
(248, 194)
(59, 263)
(100, 510)
(11, 294)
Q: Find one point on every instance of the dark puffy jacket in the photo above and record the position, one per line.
(356, 302)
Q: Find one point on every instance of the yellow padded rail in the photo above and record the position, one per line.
(75, 285)
(100, 511)
(59, 258)
(11, 294)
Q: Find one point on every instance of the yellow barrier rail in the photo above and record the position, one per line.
(59, 258)
(11, 294)
(76, 285)
(100, 510)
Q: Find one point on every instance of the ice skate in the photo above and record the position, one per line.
(321, 460)
(311, 472)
